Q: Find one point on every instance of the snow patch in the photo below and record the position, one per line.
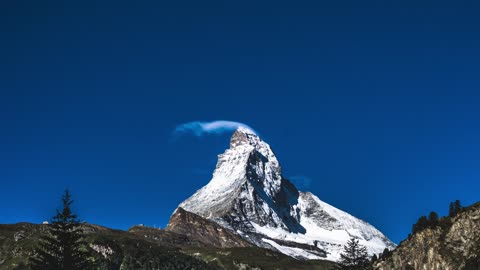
(292, 251)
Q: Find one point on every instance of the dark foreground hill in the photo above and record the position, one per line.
(147, 248)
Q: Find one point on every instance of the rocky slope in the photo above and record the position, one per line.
(109, 249)
(249, 196)
(203, 230)
(146, 248)
(452, 245)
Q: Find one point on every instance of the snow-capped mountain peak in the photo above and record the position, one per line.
(244, 137)
(248, 195)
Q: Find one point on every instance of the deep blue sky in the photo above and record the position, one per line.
(376, 102)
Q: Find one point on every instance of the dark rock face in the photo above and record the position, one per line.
(280, 199)
(204, 231)
(452, 247)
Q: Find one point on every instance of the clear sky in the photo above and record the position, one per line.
(374, 106)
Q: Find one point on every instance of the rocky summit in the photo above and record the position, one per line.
(249, 197)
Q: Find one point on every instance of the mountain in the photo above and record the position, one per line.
(453, 244)
(248, 196)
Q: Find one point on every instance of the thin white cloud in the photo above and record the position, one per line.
(199, 128)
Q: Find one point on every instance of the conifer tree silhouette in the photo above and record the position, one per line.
(63, 247)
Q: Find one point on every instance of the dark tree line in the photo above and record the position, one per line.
(433, 219)
(426, 222)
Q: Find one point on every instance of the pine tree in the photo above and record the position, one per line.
(433, 219)
(455, 208)
(386, 253)
(354, 256)
(63, 247)
(451, 210)
(458, 207)
(421, 224)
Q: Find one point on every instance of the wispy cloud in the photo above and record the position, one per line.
(199, 128)
(300, 181)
